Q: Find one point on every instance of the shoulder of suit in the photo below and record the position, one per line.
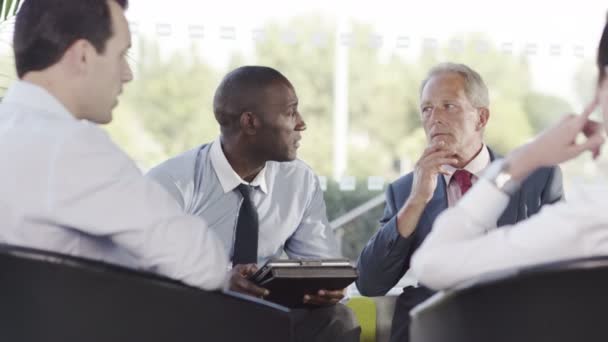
(541, 174)
(405, 180)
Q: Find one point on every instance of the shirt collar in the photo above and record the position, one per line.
(229, 179)
(475, 166)
(30, 95)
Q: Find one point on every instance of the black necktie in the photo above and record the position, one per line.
(246, 236)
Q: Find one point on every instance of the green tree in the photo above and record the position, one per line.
(8, 9)
(309, 67)
(358, 231)
(168, 108)
(383, 93)
(543, 109)
(507, 77)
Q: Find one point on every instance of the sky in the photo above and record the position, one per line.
(227, 26)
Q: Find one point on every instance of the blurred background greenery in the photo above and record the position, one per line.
(167, 109)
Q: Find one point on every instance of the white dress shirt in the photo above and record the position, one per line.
(475, 167)
(66, 187)
(465, 243)
(287, 196)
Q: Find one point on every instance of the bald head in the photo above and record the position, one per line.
(244, 89)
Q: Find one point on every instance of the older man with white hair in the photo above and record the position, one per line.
(454, 109)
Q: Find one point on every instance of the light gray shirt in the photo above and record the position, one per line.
(287, 196)
(66, 187)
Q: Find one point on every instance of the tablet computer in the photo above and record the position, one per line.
(289, 280)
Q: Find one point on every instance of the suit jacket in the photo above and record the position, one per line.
(386, 257)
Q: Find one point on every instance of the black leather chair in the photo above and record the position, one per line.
(557, 302)
(50, 297)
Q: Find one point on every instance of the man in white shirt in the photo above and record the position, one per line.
(66, 187)
(257, 196)
(454, 110)
(464, 243)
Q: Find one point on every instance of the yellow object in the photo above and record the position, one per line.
(365, 310)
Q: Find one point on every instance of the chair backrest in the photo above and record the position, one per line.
(562, 301)
(46, 296)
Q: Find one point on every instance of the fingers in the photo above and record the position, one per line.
(435, 147)
(238, 281)
(593, 144)
(431, 164)
(246, 270)
(332, 294)
(242, 285)
(590, 108)
(321, 301)
(444, 172)
(591, 127)
(435, 155)
(436, 159)
(324, 297)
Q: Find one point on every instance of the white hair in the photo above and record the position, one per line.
(474, 87)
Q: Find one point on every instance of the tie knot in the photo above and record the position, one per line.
(463, 179)
(461, 174)
(245, 190)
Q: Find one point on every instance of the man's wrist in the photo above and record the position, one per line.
(415, 201)
(520, 162)
(409, 215)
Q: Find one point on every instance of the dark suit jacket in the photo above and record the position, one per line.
(386, 257)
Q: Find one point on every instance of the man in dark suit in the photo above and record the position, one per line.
(454, 104)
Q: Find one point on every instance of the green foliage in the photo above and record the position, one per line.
(171, 99)
(169, 106)
(8, 8)
(508, 79)
(168, 109)
(358, 231)
(543, 109)
(310, 69)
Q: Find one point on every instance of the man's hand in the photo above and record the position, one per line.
(424, 184)
(558, 143)
(324, 297)
(428, 167)
(238, 281)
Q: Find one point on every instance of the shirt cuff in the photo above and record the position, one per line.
(484, 203)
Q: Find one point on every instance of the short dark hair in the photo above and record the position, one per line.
(602, 53)
(45, 29)
(243, 90)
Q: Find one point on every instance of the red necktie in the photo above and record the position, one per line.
(463, 179)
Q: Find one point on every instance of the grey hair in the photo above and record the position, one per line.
(474, 87)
